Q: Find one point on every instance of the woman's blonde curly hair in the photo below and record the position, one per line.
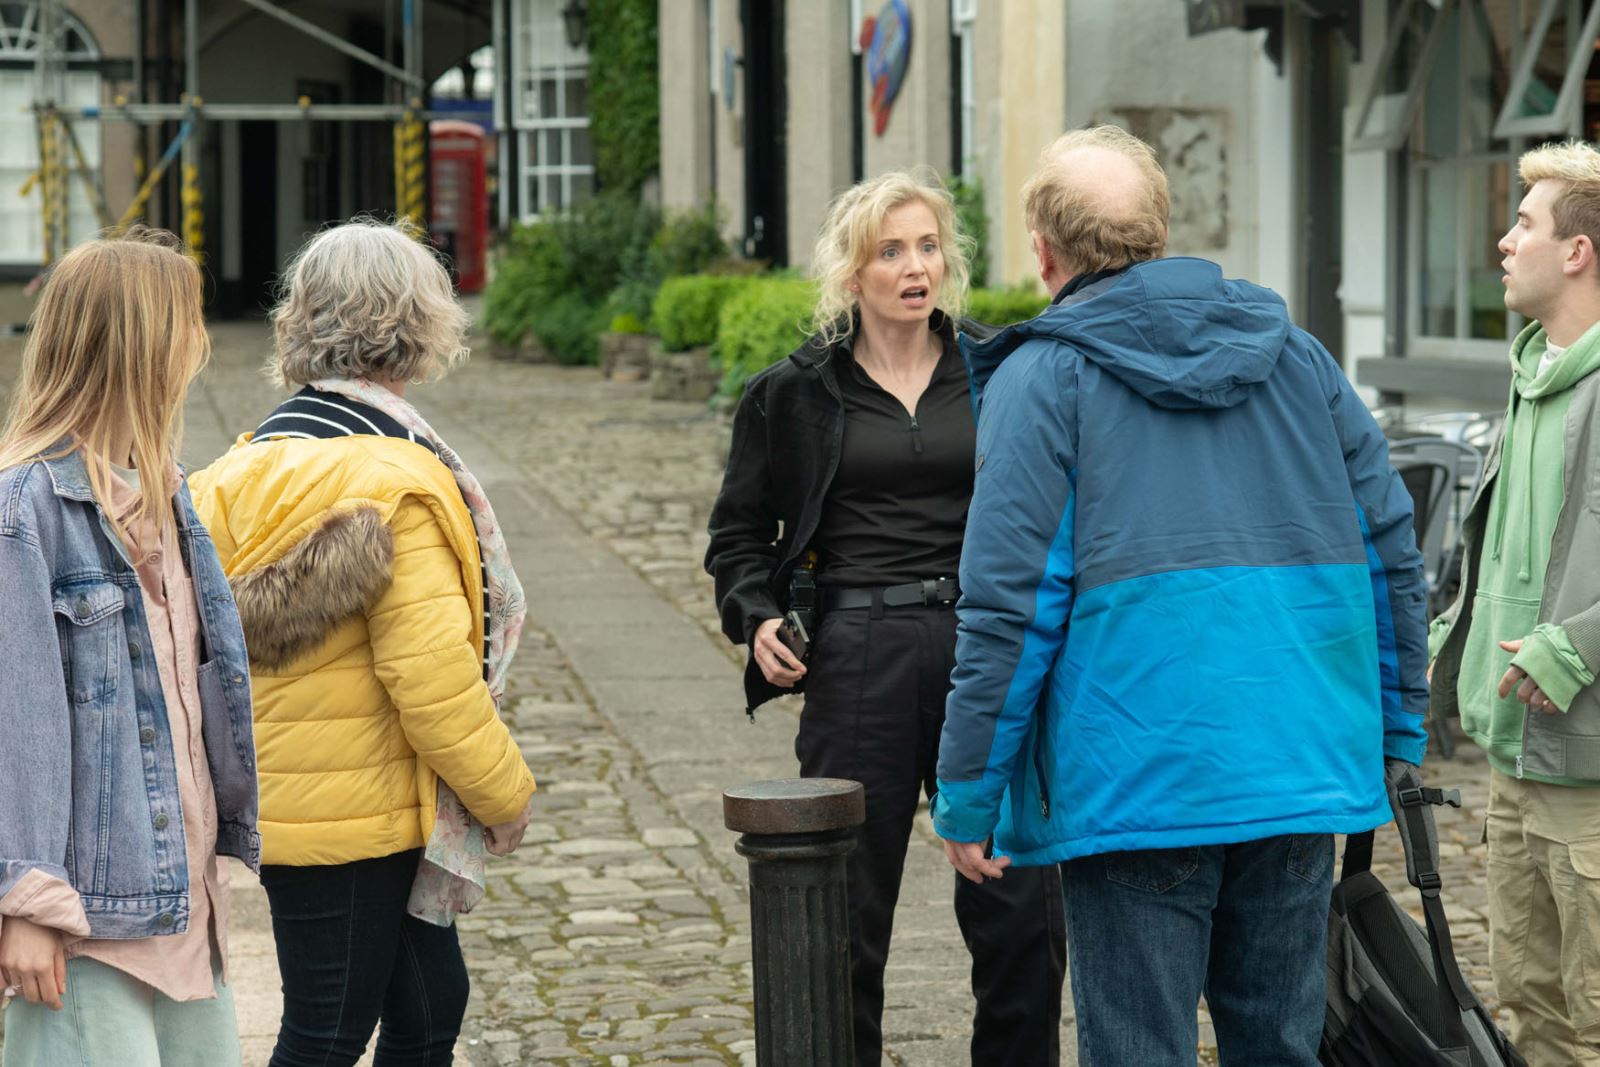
(850, 231)
(366, 299)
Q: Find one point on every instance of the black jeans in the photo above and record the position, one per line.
(350, 956)
(875, 695)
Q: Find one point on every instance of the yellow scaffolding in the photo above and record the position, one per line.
(410, 179)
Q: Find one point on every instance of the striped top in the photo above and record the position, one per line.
(316, 415)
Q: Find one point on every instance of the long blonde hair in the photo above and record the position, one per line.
(115, 339)
(851, 228)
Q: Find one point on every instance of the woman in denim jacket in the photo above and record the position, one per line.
(127, 765)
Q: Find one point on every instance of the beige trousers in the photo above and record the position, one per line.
(1544, 917)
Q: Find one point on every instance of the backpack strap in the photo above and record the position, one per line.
(1419, 836)
(1357, 856)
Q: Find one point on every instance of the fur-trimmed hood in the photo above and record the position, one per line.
(340, 569)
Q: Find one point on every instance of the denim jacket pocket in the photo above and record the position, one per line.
(89, 624)
(1153, 870)
(233, 774)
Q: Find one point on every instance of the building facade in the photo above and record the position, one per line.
(1357, 156)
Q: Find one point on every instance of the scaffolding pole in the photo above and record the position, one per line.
(151, 113)
(194, 231)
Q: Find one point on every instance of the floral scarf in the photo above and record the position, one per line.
(451, 876)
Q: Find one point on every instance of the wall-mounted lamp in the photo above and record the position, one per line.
(575, 16)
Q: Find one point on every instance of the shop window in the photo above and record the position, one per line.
(1395, 91)
(1462, 179)
(1463, 88)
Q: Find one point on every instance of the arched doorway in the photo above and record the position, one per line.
(21, 225)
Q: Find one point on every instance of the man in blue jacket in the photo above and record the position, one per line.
(1192, 626)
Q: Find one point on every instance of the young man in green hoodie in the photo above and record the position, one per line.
(1517, 655)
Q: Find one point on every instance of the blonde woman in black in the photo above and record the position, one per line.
(858, 450)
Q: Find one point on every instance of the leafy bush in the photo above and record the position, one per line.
(762, 322)
(531, 267)
(564, 279)
(972, 219)
(687, 309)
(1002, 307)
(688, 242)
(627, 322)
(570, 326)
(604, 241)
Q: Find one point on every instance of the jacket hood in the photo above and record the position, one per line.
(1174, 330)
(290, 606)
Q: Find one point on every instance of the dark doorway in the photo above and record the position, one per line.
(1320, 92)
(765, 123)
(258, 216)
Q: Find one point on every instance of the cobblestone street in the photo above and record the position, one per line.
(618, 934)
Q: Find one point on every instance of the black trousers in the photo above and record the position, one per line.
(875, 693)
(350, 956)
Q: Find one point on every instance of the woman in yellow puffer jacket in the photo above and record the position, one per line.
(380, 611)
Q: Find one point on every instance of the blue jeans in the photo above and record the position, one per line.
(1246, 924)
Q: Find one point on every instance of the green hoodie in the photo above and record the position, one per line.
(1524, 505)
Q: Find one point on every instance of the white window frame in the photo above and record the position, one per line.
(530, 128)
(20, 40)
(1562, 116)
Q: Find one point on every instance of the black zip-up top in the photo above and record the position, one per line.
(787, 436)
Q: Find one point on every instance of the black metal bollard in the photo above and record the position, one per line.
(797, 832)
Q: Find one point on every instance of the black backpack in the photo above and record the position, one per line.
(1396, 997)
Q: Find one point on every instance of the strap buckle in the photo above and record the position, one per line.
(940, 591)
(1429, 882)
(1416, 796)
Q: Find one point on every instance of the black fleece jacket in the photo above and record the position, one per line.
(787, 433)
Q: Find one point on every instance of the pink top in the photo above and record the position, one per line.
(176, 965)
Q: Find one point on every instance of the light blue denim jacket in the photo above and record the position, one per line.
(88, 780)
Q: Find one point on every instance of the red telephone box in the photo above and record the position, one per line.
(460, 199)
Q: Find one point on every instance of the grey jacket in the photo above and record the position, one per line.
(88, 779)
(1566, 746)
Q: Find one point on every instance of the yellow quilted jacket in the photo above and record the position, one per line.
(356, 570)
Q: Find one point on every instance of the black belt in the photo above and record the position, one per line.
(929, 592)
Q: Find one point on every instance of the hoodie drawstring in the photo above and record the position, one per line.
(1525, 565)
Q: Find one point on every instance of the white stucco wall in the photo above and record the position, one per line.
(1216, 110)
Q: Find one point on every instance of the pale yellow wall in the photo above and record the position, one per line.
(685, 104)
(1028, 112)
(817, 42)
(729, 124)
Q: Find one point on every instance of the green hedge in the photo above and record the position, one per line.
(624, 94)
(1002, 307)
(763, 321)
(687, 309)
(564, 279)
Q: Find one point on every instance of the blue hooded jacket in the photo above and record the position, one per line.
(1193, 610)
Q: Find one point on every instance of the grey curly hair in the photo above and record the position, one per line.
(365, 299)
